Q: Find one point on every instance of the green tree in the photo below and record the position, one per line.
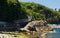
(59, 10)
(11, 10)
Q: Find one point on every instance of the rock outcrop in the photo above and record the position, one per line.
(34, 24)
(37, 28)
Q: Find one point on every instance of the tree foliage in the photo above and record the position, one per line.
(11, 10)
(38, 11)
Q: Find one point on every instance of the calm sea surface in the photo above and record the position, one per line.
(54, 35)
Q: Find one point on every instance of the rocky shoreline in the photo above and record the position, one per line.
(37, 28)
(34, 29)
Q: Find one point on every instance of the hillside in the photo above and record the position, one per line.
(38, 11)
(13, 10)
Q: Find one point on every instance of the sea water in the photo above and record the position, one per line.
(54, 35)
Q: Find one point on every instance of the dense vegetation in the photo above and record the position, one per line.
(10, 10)
(13, 9)
(38, 11)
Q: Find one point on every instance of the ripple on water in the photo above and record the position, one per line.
(54, 35)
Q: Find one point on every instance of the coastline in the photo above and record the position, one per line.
(54, 31)
(54, 25)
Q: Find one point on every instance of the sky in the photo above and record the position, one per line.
(49, 3)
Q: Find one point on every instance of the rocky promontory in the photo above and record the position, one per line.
(34, 29)
(37, 28)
